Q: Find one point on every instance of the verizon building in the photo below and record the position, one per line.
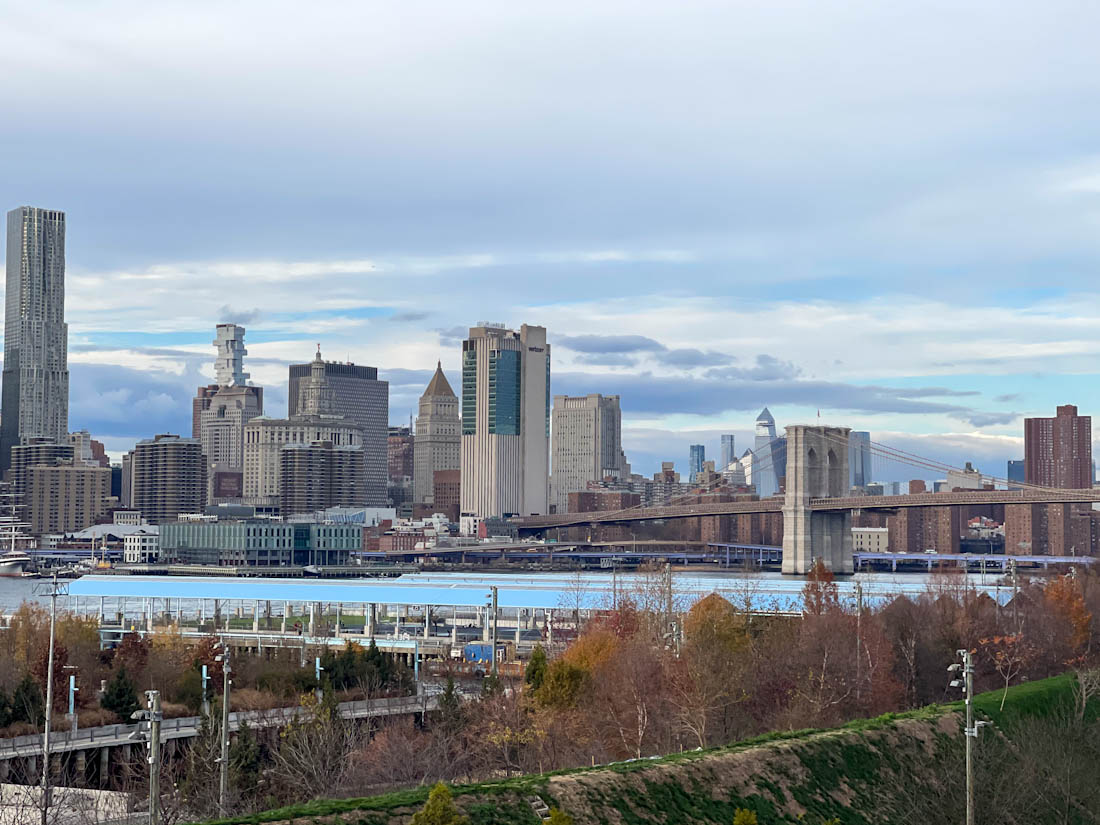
(505, 421)
(356, 394)
(1058, 451)
(36, 337)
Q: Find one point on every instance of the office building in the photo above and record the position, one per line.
(86, 450)
(355, 393)
(259, 543)
(1016, 474)
(586, 445)
(66, 496)
(143, 546)
(220, 411)
(697, 454)
(769, 457)
(314, 422)
(35, 451)
(167, 477)
(399, 466)
(438, 444)
(505, 422)
(35, 396)
(859, 458)
(1058, 451)
(447, 493)
(320, 475)
(965, 479)
(729, 454)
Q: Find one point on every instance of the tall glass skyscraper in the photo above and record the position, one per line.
(729, 455)
(505, 421)
(697, 454)
(35, 401)
(859, 458)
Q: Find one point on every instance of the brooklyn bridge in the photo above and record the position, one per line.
(815, 513)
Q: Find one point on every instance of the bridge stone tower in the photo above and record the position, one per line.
(817, 467)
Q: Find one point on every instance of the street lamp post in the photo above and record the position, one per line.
(965, 668)
(492, 596)
(223, 767)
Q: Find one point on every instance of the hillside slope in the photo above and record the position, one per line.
(893, 769)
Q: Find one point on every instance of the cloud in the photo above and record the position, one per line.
(402, 317)
(452, 336)
(234, 316)
(766, 368)
(690, 357)
(609, 343)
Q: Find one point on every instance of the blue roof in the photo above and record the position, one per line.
(546, 591)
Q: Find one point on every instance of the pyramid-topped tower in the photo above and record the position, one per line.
(438, 441)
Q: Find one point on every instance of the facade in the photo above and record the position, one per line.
(697, 454)
(766, 469)
(729, 453)
(870, 539)
(919, 529)
(221, 425)
(1016, 474)
(35, 451)
(859, 458)
(64, 497)
(142, 547)
(586, 444)
(259, 543)
(438, 443)
(319, 475)
(167, 477)
(35, 396)
(505, 422)
(399, 466)
(1058, 451)
(966, 479)
(355, 393)
(446, 493)
(229, 363)
(265, 439)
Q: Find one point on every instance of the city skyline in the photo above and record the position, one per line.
(915, 260)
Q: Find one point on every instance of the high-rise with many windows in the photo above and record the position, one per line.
(729, 453)
(1058, 451)
(36, 337)
(586, 446)
(438, 442)
(697, 454)
(505, 421)
(355, 393)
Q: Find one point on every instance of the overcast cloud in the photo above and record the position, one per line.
(888, 212)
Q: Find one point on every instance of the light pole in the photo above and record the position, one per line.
(153, 716)
(54, 591)
(492, 596)
(205, 691)
(317, 676)
(73, 690)
(966, 669)
(223, 767)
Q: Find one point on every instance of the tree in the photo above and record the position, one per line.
(743, 816)
(561, 685)
(27, 704)
(820, 593)
(439, 809)
(121, 697)
(1009, 655)
(559, 817)
(536, 668)
(450, 707)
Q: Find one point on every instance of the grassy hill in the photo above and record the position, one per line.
(892, 769)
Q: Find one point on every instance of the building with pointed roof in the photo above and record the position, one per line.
(437, 445)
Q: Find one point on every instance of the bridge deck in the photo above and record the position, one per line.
(775, 505)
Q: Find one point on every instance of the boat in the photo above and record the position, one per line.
(13, 563)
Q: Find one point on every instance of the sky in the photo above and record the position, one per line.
(888, 212)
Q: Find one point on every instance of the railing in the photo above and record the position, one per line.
(185, 727)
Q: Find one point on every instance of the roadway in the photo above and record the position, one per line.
(187, 727)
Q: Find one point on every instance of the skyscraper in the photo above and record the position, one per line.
(505, 421)
(223, 413)
(438, 442)
(355, 393)
(859, 458)
(729, 453)
(35, 401)
(168, 477)
(1058, 451)
(697, 454)
(587, 444)
(766, 456)
(1017, 473)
